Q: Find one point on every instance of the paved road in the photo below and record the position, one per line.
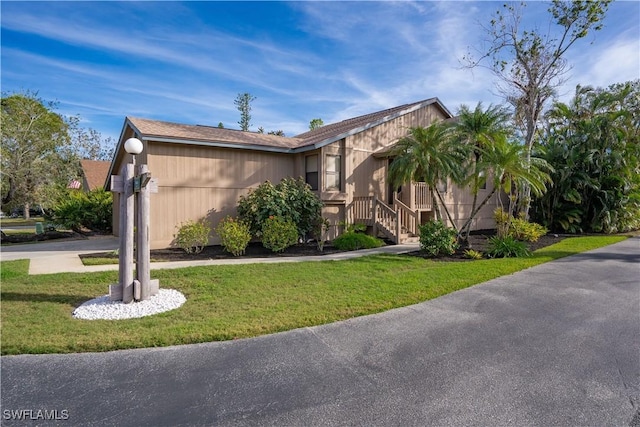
(557, 344)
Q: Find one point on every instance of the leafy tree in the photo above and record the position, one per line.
(594, 145)
(315, 124)
(243, 104)
(531, 65)
(429, 155)
(87, 143)
(271, 132)
(221, 125)
(35, 145)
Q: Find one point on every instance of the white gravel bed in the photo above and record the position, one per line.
(103, 308)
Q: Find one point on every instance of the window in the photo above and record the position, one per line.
(311, 171)
(332, 181)
(483, 180)
(443, 185)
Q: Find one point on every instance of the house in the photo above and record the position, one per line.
(94, 173)
(203, 170)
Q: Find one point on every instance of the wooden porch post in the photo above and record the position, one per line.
(127, 203)
(374, 214)
(143, 268)
(412, 195)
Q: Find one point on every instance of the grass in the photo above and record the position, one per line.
(229, 302)
(19, 222)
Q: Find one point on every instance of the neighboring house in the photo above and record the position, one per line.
(94, 174)
(203, 170)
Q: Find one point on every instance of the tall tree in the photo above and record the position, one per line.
(593, 142)
(87, 143)
(529, 65)
(429, 155)
(243, 104)
(315, 124)
(34, 142)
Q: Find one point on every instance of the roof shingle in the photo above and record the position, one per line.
(209, 135)
(95, 172)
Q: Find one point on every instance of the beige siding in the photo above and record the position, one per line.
(460, 204)
(367, 175)
(197, 182)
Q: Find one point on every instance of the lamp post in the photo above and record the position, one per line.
(134, 214)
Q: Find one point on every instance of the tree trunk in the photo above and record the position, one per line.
(476, 210)
(446, 210)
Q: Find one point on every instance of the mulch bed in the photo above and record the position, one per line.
(478, 241)
(47, 235)
(254, 250)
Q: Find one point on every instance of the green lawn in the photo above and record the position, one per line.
(19, 222)
(227, 302)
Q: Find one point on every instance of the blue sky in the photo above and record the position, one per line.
(187, 61)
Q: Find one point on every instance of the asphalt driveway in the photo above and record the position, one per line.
(557, 344)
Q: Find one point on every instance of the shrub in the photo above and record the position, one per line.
(437, 239)
(472, 254)
(320, 231)
(80, 210)
(279, 233)
(353, 228)
(291, 199)
(507, 247)
(193, 236)
(352, 241)
(234, 235)
(502, 219)
(522, 229)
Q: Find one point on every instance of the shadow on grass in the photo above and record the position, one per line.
(74, 300)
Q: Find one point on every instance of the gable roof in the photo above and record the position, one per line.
(220, 137)
(330, 133)
(178, 133)
(95, 172)
(209, 135)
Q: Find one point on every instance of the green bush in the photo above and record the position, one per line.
(522, 229)
(507, 247)
(192, 236)
(352, 241)
(502, 219)
(81, 210)
(234, 235)
(437, 239)
(291, 199)
(472, 254)
(279, 233)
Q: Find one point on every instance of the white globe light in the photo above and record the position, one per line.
(133, 146)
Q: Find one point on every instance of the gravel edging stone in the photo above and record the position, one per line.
(102, 308)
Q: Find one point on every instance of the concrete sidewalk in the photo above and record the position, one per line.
(62, 257)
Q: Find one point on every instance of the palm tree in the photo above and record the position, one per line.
(479, 129)
(429, 155)
(507, 163)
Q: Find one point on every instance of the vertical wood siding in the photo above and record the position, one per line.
(196, 182)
